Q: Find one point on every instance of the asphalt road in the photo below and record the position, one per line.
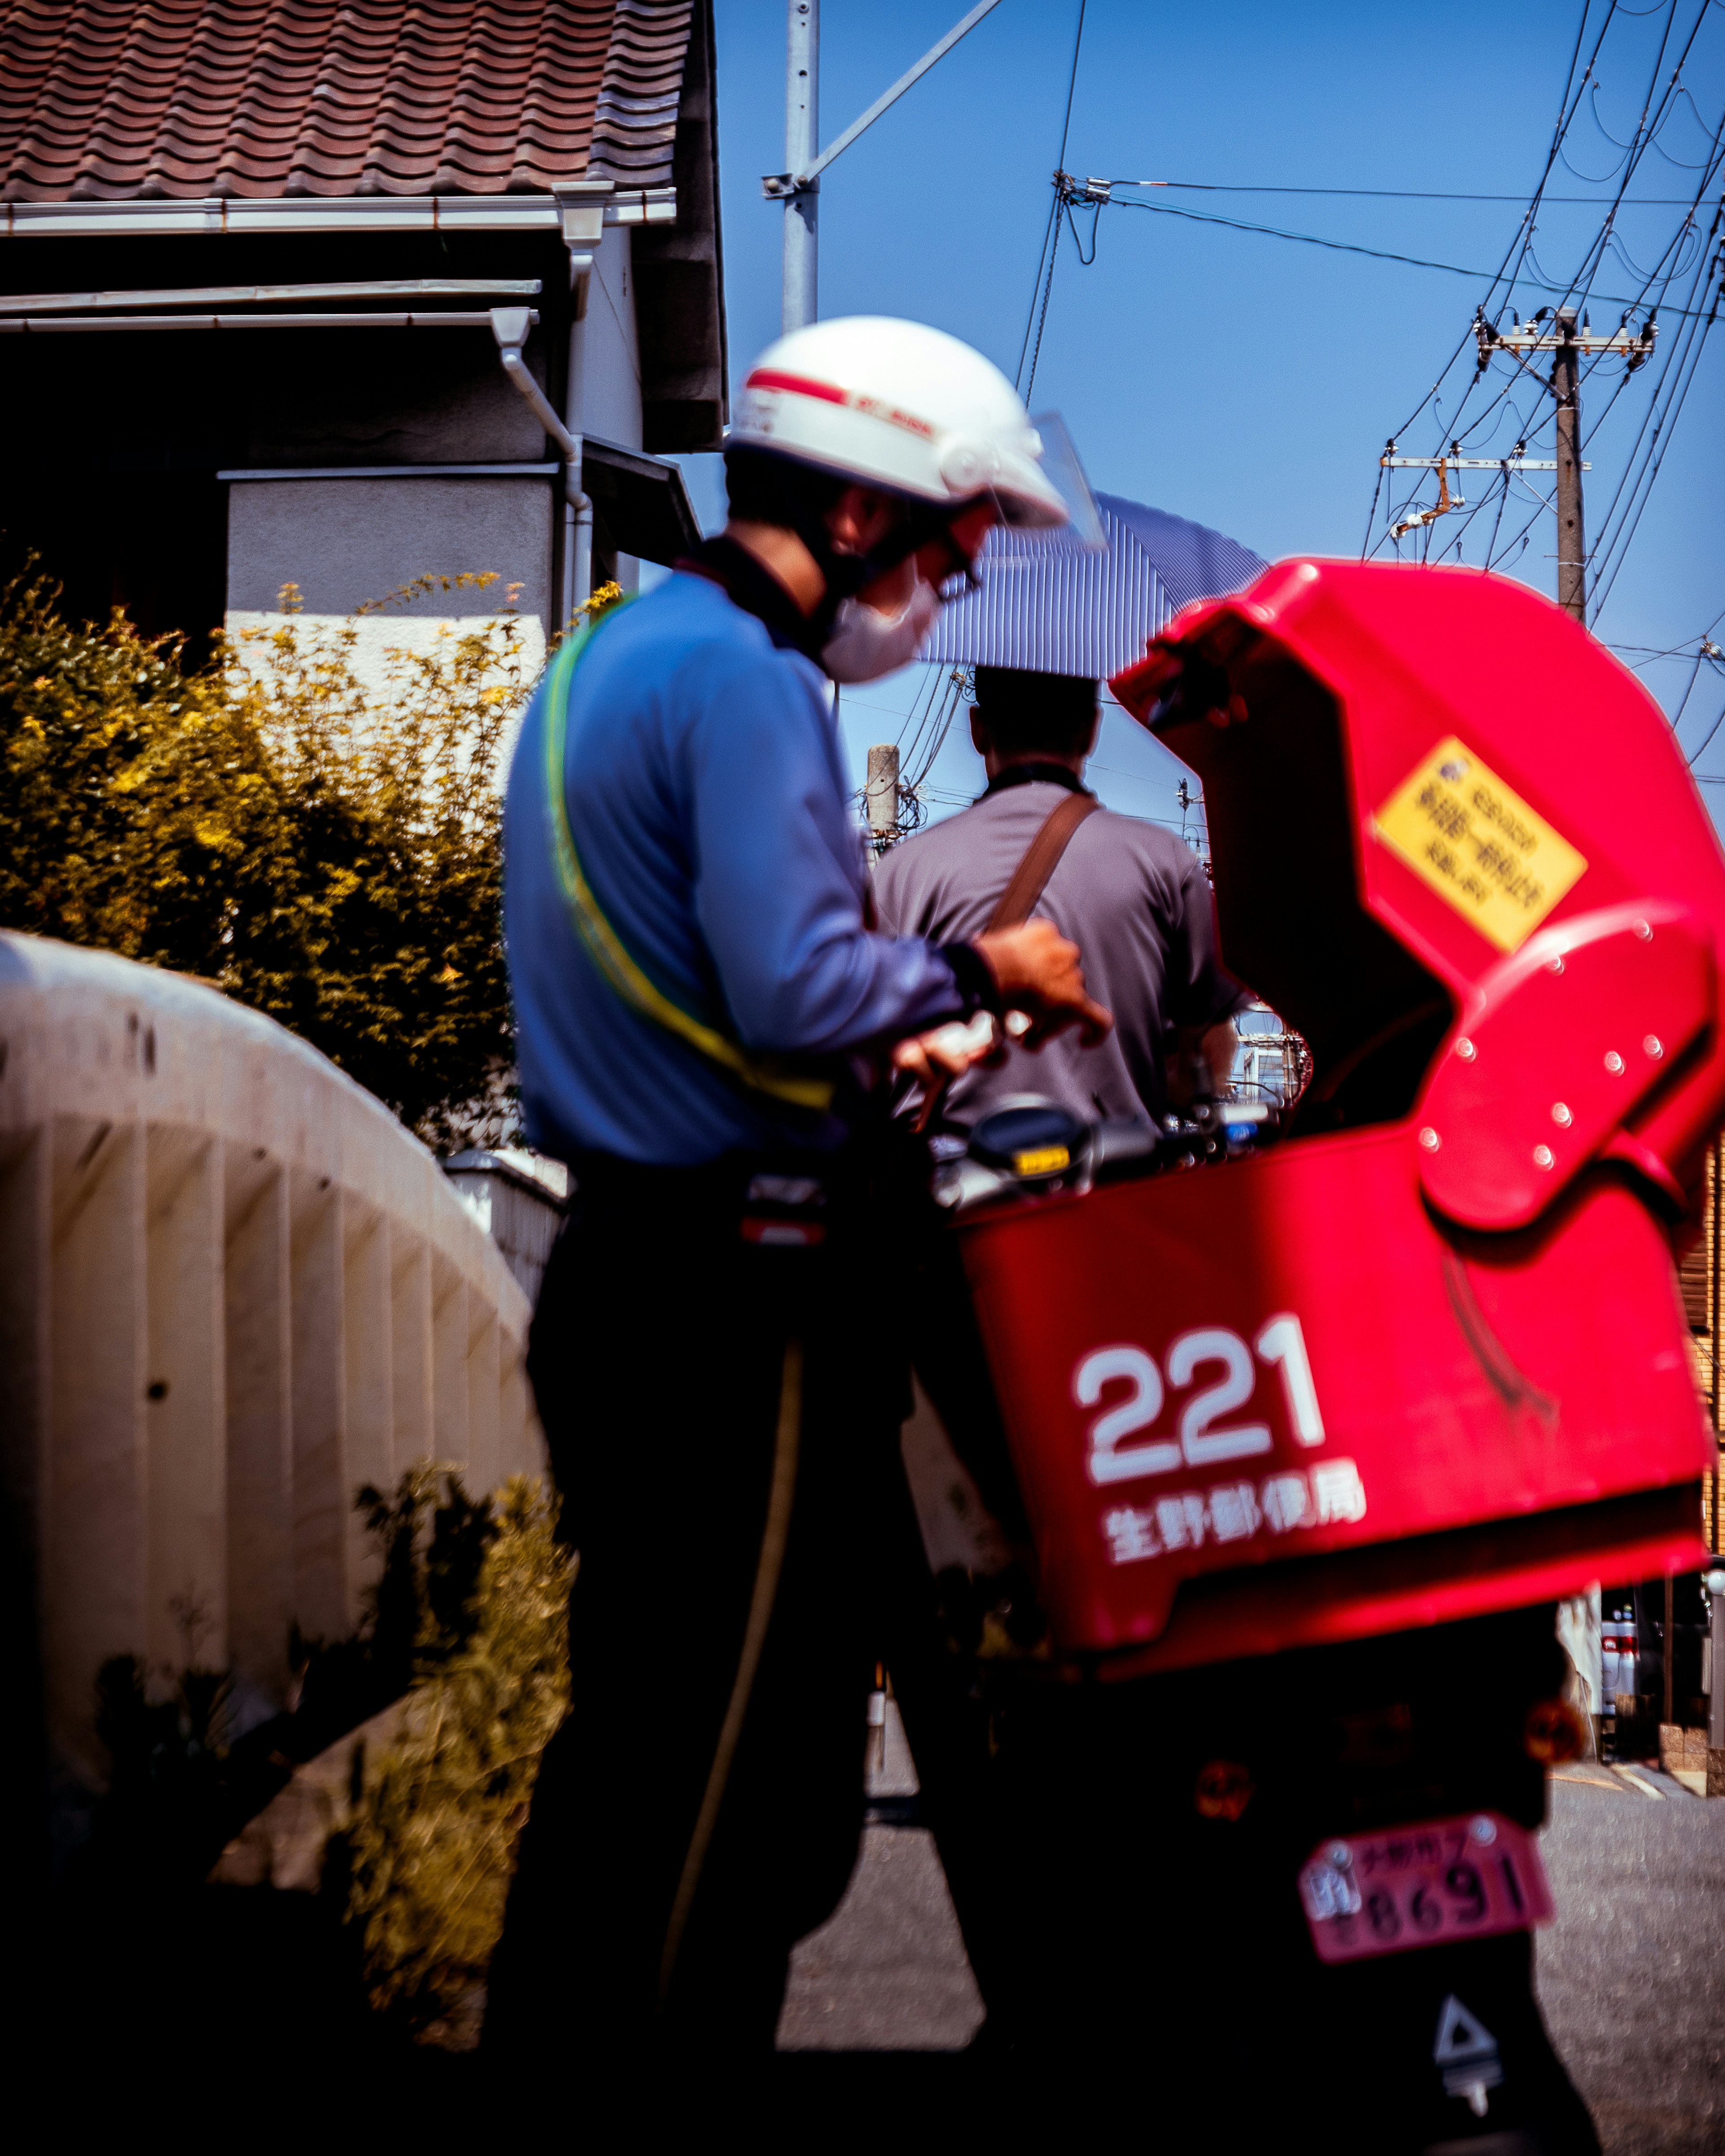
(888, 1971)
(1631, 1975)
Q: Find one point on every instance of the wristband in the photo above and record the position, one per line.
(975, 977)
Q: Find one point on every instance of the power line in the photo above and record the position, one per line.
(1047, 294)
(1695, 759)
(1352, 246)
(1072, 83)
(1390, 194)
(1054, 227)
(1679, 355)
(1566, 114)
(1054, 211)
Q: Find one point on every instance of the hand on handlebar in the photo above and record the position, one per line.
(1038, 973)
(934, 1059)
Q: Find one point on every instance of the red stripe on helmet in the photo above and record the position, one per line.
(829, 393)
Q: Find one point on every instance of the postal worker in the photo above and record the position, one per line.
(705, 1017)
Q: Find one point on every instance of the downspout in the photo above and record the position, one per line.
(510, 326)
(577, 507)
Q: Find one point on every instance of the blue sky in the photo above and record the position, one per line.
(1246, 381)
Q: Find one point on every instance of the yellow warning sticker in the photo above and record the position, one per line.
(1479, 845)
(1041, 1160)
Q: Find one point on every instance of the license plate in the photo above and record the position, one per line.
(1422, 1886)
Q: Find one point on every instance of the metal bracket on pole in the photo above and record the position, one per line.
(1636, 346)
(1473, 463)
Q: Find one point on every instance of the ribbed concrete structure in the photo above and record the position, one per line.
(233, 1289)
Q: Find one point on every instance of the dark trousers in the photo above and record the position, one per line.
(657, 1362)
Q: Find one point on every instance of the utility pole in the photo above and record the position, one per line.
(798, 186)
(802, 137)
(1571, 540)
(1567, 343)
(880, 797)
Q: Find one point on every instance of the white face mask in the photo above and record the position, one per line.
(863, 644)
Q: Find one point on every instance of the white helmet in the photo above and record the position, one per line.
(898, 405)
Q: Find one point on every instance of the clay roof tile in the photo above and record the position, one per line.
(116, 98)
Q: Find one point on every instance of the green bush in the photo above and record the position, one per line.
(325, 852)
(432, 1843)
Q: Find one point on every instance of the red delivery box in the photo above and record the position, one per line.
(1426, 1358)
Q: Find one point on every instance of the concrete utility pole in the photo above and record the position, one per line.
(1572, 542)
(1566, 343)
(802, 136)
(798, 186)
(880, 796)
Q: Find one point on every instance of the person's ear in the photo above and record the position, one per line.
(979, 732)
(1096, 728)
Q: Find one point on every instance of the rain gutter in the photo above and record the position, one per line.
(60, 325)
(234, 296)
(600, 201)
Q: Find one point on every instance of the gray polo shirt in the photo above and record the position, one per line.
(1132, 896)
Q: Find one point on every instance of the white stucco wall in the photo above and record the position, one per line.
(611, 359)
(380, 639)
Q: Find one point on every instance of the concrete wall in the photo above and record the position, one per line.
(388, 396)
(346, 540)
(232, 1288)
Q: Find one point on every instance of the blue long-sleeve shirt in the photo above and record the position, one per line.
(706, 796)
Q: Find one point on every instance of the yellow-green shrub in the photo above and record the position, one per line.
(433, 1841)
(323, 851)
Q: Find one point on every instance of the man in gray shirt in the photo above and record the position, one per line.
(1132, 895)
(1004, 1788)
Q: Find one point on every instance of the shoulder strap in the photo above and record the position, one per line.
(1030, 879)
(617, 965)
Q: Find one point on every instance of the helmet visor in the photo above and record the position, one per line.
(1064, 470)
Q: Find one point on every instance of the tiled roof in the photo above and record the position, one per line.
(116, 100)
